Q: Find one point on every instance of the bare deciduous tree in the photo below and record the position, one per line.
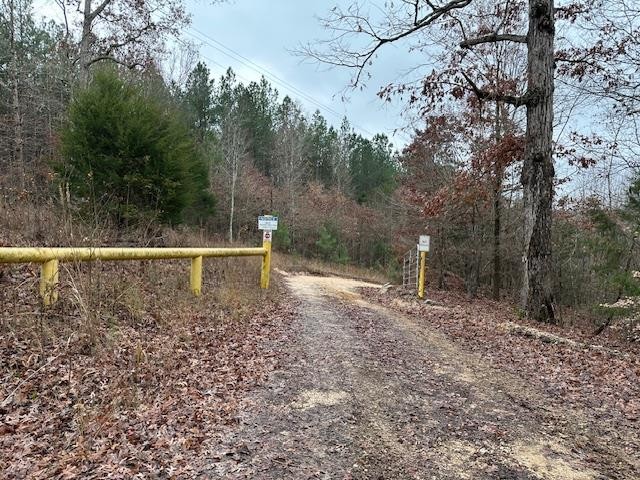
(235, 146)
(291, 166)
(414, 19)
(127, 32)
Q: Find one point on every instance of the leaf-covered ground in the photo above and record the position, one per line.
(366, 392)
(332, 379)
(601, 374)
(147, 399)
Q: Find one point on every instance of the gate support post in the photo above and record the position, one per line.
(421, 276)
(49, 282)
(196, 276)
(266, 260)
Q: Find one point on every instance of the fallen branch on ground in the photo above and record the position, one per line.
(552, 338)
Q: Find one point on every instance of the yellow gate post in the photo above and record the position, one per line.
(266, 260)
(421, 276)
(49, 258)
(49, 282)
(196, 275)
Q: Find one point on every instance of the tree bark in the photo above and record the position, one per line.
(497, 258)
(473, 266)
(538, 171)
(232, 202)
(497, 208)
(18, 137)
(85, 42)
(441, 255)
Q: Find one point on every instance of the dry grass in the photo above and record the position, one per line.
(100, 302)
(98, 369)
(293, 263)
(95, 294)
(97, 300)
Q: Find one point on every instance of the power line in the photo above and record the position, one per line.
(229, 52)
(211, 60)
(281, 83)
(238, 57)
(182, 42)
(254, 66)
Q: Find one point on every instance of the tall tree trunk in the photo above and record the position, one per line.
(473, 266)
(497, 209)
(537, 170)
(86, 41)
(234, 178)
(18, 138)
(441, 245)
(497, 258)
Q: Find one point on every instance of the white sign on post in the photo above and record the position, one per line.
(423, 243)
(267, 236)
(267, 222)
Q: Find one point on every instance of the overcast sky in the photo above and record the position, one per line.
(266, 31)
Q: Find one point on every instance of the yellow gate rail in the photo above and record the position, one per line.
(49, 257)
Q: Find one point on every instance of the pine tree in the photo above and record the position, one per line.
(371, 167)
(198, 101)
(131, 153)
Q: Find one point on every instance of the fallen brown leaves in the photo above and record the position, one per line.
(601, 375)
(148, 401)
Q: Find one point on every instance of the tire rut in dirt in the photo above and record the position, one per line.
(363, 395)
(357, 399)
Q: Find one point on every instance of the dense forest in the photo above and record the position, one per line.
(518, 155)
(128, 148)
(100, 132)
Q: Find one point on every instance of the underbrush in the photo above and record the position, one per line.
(598, 373)
(294, 263)
(128, 373)
(98, 295)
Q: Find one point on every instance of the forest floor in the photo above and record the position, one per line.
(323, 377)
(128, 376)
(379, 386)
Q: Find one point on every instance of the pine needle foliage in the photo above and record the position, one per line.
(132, 153)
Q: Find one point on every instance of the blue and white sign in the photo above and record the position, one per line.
(267, 222)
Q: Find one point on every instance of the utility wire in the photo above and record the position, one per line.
(259, 69)
(238, 57)
(280, 83)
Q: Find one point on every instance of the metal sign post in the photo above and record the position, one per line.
(423, 249)
(266, 223)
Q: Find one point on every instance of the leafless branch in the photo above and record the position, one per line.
(493, 38)
(351, 22)
(92, 15)
(516, 101)
(129, 65)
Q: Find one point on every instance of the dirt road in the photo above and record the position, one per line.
(366, 393)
